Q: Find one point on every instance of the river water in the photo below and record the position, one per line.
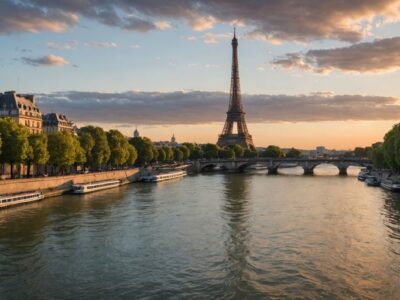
(209, 236)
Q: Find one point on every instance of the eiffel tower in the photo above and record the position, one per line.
(235, 112)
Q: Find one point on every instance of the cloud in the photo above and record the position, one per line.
(135, 46)
(269, 19)
(378, 56)
(212, 38)
(45, 61)
(163, 25)
(17, 16)
(69, 45)
(101, 44)
(196, 107)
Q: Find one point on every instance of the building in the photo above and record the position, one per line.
(235, 128)
(172, 143)
(23, 109)
(55, 122)
(136, 133)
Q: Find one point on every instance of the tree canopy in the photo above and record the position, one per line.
(273, 151)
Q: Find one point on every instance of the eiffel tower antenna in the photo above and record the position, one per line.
(235, 114)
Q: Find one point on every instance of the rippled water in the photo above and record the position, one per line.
(212, 236)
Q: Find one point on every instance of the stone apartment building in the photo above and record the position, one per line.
(55, 122)
(23, 109)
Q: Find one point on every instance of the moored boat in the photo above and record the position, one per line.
(391, 185)
(83, 188)
(372, 180)
(163, 176)
(362, 175)
(15, 199)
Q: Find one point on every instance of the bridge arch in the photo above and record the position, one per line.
(208, 167)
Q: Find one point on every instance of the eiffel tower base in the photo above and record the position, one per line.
(243, 140)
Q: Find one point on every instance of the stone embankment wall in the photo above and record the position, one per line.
(52, 186)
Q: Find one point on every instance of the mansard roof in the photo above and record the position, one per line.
(12, 100)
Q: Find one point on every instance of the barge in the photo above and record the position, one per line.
(15, 199)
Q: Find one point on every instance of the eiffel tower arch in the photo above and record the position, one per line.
(235, 115)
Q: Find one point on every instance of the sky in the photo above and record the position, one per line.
(312, 72)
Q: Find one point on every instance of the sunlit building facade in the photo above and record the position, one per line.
(23, 109)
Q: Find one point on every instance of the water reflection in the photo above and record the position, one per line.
(235, 212)
(391, 213)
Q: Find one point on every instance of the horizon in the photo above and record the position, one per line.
(165, 68)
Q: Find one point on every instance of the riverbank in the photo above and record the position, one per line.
(58, 185)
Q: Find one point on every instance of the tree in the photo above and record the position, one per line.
(132, 155)
(61, 147)
(38, 154)
(378, 158)
(15, 145)
(273, 151)
(162, 156)
(227, 153)
(238, 150)
(144, 148)
(250, 153)
(185, 151)
(360, 152)
(80, 153)
(100, 153)
(119, 148)
(196, 153)
(210, 151)
(294, 153)
(190, 146)
(391, 148)
(169, 153)
(155, 154)
(87, 143)
(178, 154)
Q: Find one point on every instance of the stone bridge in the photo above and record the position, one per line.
(272, 164)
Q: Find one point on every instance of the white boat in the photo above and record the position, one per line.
(9, 200)
(84, 188)
(163, 176)
(390, 185)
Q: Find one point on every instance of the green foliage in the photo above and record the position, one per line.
(132, 157)
(190, 146)
(391, 148)
(155, 153)
(144, 148)
(38, 149)
(61, 147)
(238, 150)
(178, 154)
(250, 153)
(162, 156)
(210, 151)
(87, 143)
(100, 153)
(273, 151)
(185, 151)
(80, 153)
(169, 153)
(294, 153)
(15, 145)
(119, 148)
(196, 153)
(363, 152)
(377, 156)
(227, 153)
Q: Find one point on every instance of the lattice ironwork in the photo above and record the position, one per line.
(235, 113)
